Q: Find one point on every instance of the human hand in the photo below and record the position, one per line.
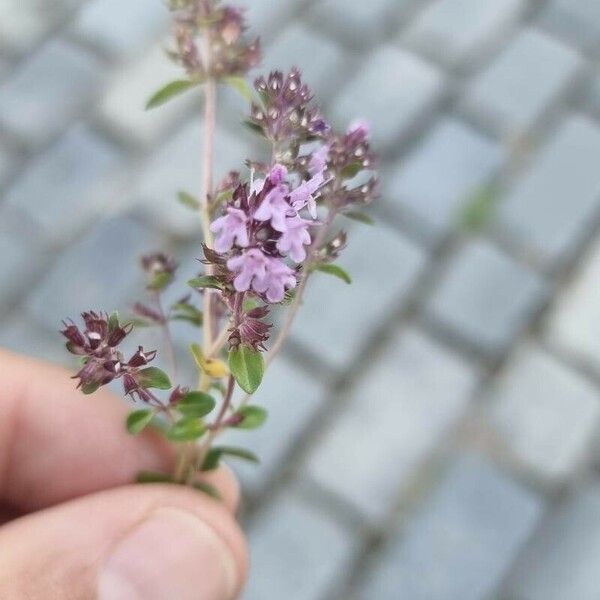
(72, 526)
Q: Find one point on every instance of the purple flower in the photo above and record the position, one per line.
(274, 207)
(359, 129)
(294, 238)
(277, 279)
(233, 228)
(303, 195)
(264, 274)
(318, 160)
(278, 174)
(248, 266)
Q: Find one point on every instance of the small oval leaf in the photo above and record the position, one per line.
(206, 281)
(334, 270)
(169, 91)
(196, 404)
(361, 217)
(252, 417)
(187, 429)
(240, 85)
(153, 477)
(153, 377)
(214, 456)
(247, 366)
(188, 200)
(138, 420)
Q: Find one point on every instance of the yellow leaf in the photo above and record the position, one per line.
(213, 367)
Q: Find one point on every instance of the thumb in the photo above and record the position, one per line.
(151, 542)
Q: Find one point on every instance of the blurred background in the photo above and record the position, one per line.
(433, 429)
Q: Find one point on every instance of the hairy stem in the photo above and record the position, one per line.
(167, 337)
(210, 96)
(216, 427)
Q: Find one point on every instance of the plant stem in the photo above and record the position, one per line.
(168, 338)
(210, 95)
(215, 428)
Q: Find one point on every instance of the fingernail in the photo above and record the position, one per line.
(171, 554)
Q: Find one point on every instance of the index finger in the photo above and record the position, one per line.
(57, 444)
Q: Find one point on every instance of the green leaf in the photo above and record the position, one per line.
(208, 489)
(153, 477)
(138, 420)
(206, 281)
(250, 303)
(160, 281)
(334, 270)
(214, 456)
(113, 321)
(153, 377)
(351, 170)
(288, 298)
(361, 217)
(172, 89)
(240, 85)
(247, 366)
(89, 388)
(188, 200)
(254, 127)
(186, 312)
(253, 416)
(186, 430)
(196, 404)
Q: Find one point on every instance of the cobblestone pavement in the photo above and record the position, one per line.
(433, 432)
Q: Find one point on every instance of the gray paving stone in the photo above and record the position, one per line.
(122, 107)
(176, 166)
(545, 414)
(395, 416)
(562, 560)
(293, 47)
(292, 398)
(122, 29)
(576, 21)
(24, 22)
(6, 164)
(464, 540)
(485, 297)
(64, 188)
(48, 91)
(392, 91)
(337, 320)
(358, 22)
(297, 553)
(100, 272)
(21, 334)
(551, 205)
(574, 324)
(451, 31)
(441, 175)
(523, 82)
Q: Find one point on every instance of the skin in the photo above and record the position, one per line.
(66, 463)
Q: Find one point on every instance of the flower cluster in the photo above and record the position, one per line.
(266, 230)
(263, 225)
(287, 111)
(98, 344)
(224, 26)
